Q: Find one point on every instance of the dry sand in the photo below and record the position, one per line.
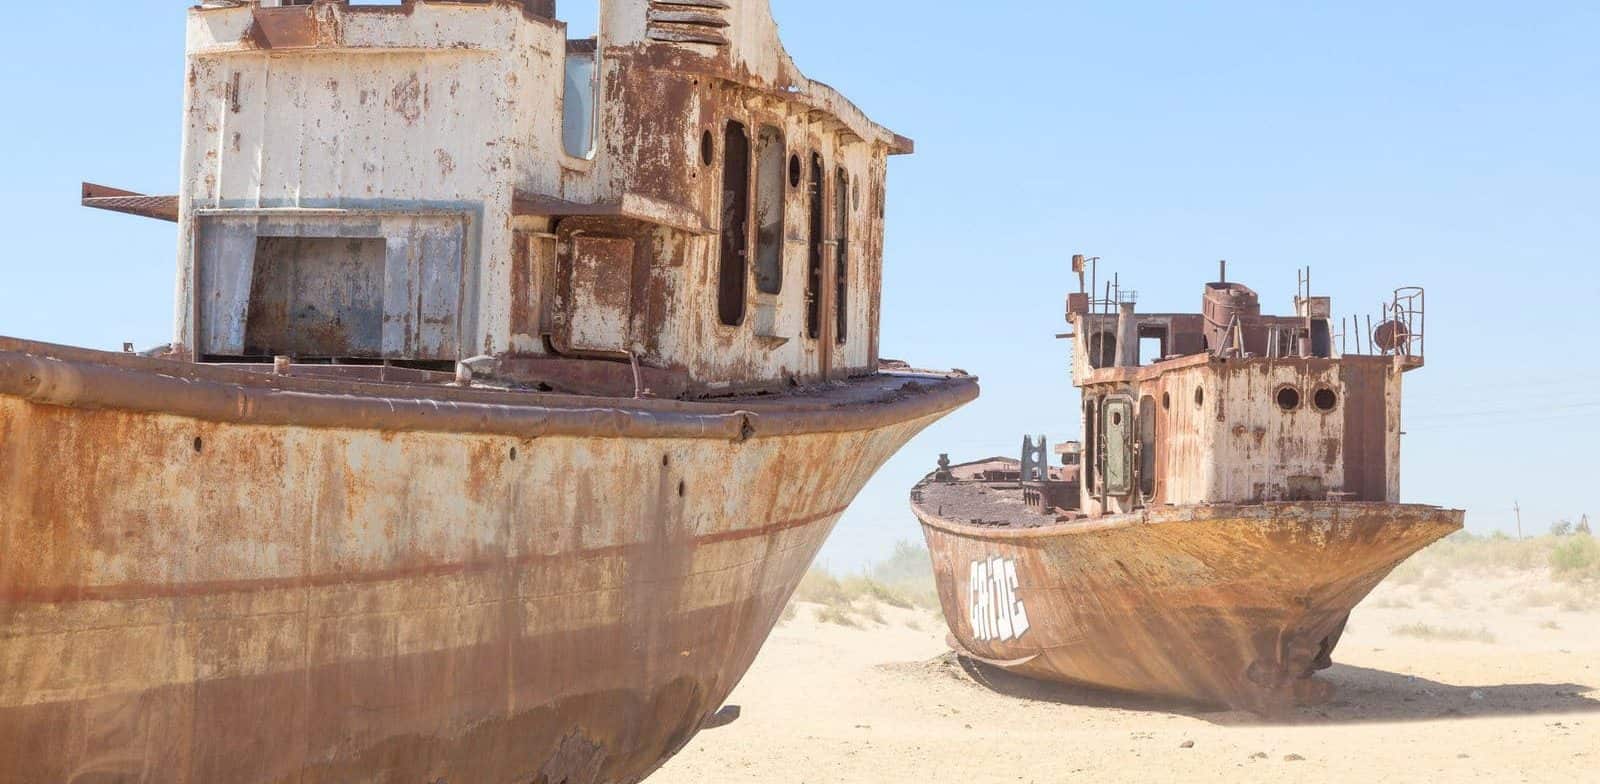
(887, 703)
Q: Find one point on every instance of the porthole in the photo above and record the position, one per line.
(1199, 397)
(1166, 401)
(1288, 398)
(1116, 418)
(708, 148)
(794, 171)
(513, 454)
(199, 444)
(1325, 399)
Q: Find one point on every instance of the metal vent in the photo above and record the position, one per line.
(688, 21)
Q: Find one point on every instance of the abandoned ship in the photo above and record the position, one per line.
(516, 382)
(1235, 496)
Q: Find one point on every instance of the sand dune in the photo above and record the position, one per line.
(1482, 677)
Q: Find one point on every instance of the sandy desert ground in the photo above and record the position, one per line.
(1467, 676)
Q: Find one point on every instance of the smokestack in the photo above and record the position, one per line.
(1223, 273)
(1127, 336)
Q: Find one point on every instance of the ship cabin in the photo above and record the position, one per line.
(1230, 406)
(667, 206)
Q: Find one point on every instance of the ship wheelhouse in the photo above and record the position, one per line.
(1230, 406)
(669, 207)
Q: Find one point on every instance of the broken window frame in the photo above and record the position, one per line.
(816, 245)
(770, 192)
(733, 258)
(841, 267)
(580, 52)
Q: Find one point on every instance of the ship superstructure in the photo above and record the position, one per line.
(1235, 493)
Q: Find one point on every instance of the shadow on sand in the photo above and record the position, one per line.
(1360, 695)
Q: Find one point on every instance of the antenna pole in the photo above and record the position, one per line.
(1517, 507)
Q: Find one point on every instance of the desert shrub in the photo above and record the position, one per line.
(819, 587)
(871, 611)
(838, 616)
(868, 588)
(1561, 528)
(1576, 558)
(1408, 573)
(1423, 631)
(909, 572)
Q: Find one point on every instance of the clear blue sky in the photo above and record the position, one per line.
(1450, 144)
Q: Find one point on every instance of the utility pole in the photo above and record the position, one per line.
(1516, 506)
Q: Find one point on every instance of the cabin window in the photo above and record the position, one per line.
(1288, 398)
(1321, 338)
(316, 297)
(1152, 344)
(708, 148)
(841, 271)
(815, 258)
(769, 210)
(1147, 447)
(735, 223)
(794, 171)
(319, 287)
(1102, 350)
(1149, 350)
(1325, 399)
(1199, 397)
(578, 109)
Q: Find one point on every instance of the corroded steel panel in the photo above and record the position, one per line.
(602, 287)
(281, 583)
(1231, 605)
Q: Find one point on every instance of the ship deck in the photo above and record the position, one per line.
(973, 505)
(984, 504)
(331, 396)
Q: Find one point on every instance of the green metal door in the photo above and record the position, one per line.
(1118, 429)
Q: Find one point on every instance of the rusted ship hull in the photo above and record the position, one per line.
(209, 575)
(1227, 605)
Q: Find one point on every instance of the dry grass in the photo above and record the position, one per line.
(1567, 566)
(1423, 631)
(838, 616)
(1576, 558)
(903, 581)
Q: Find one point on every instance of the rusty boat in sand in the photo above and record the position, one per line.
(1235, 496)
(517, 380)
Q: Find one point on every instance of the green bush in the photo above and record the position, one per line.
(1576, 558)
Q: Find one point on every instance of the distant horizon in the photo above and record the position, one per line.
(1443, 144)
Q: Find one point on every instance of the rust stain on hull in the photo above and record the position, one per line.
(223, 595)
(1230, 605)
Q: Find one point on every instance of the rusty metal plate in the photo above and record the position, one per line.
(601, 302)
